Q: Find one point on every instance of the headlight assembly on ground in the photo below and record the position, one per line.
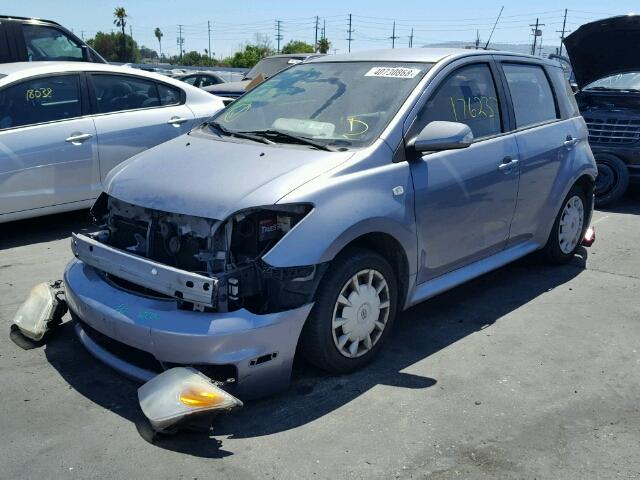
(42, 309)
(179, 394)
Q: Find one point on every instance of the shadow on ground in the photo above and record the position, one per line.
(419, 332)
(43, 229)
(629, 203)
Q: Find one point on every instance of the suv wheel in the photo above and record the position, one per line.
(612, 180)
(353, 313)
(569, 227)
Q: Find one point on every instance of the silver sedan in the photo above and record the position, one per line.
(65, 125)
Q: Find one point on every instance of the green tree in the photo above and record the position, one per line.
(324, 45)
(158, 33)
(195, 58)
(120, 21)
(297, 46)
(148, 53)
(108, 45)
(251, 54)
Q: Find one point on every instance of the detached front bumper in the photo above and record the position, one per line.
(260, 347)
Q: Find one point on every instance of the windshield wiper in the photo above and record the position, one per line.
(278, 134)
(612, 89)
(232, 133)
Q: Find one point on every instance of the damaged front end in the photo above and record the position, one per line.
(205, 264)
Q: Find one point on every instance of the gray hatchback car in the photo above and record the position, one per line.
(308, 213)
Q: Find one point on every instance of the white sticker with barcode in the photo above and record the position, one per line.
(392, 72)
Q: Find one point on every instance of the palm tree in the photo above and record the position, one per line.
(158, 33)
(324, 45)
(120, 21)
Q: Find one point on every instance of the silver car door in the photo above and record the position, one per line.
(464, 199)
(48, 150)
(134, 114)
(545, 142)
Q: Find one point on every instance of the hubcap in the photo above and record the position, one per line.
(571, 222)
(361, 313)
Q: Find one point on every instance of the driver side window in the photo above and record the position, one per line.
(468, 96)
(49, 43)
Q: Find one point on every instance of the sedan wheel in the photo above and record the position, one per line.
(360, 314)
(571, 222)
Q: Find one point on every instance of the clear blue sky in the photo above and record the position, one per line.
(236, 22)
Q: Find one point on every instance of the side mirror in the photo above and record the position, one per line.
(439, 135)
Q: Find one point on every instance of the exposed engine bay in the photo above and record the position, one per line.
(612, 118)
(228, 251)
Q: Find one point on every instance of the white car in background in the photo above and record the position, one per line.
(65, 125)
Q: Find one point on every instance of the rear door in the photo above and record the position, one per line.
(133, 114)
(48, 149)
(465, 199)
(545, 143)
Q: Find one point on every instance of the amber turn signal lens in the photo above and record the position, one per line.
(197, 397)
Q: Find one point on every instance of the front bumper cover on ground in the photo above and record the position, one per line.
(173, 336)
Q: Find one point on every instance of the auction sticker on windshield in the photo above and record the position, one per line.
(392, 72)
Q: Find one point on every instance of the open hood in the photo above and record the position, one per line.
(604, 47)
(202, 176)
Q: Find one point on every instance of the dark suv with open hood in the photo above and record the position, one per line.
(606, 65)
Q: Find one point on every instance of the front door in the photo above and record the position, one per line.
(48, 151)
(465, 198)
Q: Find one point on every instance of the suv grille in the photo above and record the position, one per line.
(613, 131)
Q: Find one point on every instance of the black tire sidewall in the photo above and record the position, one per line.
(317, 344)
(620, 186)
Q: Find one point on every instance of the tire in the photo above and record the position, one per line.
(568, 231)
(612, 181)
(321, 338)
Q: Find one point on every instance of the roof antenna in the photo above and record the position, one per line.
(494, 27)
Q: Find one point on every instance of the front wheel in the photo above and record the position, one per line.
(569, 227)
(612, 180)
(353, 313)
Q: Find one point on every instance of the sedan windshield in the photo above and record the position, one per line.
(622, 81)
(346, 104)
(268, 67)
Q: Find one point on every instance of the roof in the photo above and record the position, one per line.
(17, 18)
(426, 55)
(19, 70)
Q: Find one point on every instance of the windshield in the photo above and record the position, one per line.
(268, 67)
(621, 81)
(347, 104)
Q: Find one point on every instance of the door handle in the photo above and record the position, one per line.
(177, 121)
(571, 142)
(77, 138)
(507, 164)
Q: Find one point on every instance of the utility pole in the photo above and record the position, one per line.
(536, 33)
(131, 32)
(180, 40)
(563, 32)
(411, 39)
(540, 47)
(278, 33)
(209, 32)
(349, 32)
(393, 36)
(82, 34)
(477, 39)
(315, 45)
(324, 28)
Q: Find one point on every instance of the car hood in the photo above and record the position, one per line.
(200, 175)
(604, 47)
(228, 87)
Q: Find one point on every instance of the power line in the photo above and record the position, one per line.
(536, 33)
(393, 36)
(349, 32)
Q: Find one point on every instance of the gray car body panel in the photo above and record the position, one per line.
(436, 207)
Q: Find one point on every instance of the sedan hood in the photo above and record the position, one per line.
(604, 47)
(200, 175)
(224, 89)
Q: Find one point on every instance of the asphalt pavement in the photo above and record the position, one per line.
(531, 371)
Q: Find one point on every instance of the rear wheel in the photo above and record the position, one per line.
(569, 227)
(612, 180)
(353, 313)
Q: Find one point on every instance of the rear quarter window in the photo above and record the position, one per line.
(531, 94)
(566, 98)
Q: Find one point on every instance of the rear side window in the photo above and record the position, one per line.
(208, 80)
(42, 99)
(49, 43)
(191, 80)
(467, 96)
(531, 94)
(169, 95)
(116, 93)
